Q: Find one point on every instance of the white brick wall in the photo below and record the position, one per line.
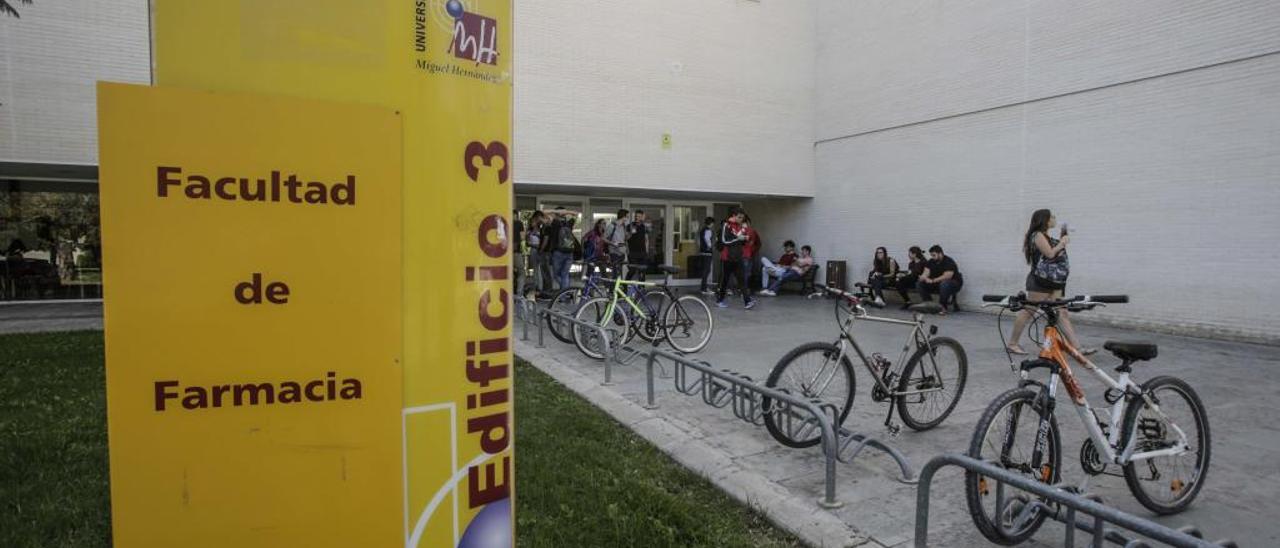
(1171, 180)
(49, 61)
(596, 89)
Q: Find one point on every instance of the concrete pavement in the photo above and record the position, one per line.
(49, 316)
(1235, 381)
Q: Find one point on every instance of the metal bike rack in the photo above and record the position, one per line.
(798, 416)
(1068, 504)
(620, 354)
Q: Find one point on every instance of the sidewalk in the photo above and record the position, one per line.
(1234, 379)
(49, 316)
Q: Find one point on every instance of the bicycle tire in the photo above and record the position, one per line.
(592, 311)
(906, 382)
(974, 483)
(566, 301)
(1203, 441)
(688, 306)
(827, 350)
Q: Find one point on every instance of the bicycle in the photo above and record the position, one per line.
(656, 316)
(929, 375)
(1148, 436)
(568, 300)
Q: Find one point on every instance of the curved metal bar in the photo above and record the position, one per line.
(1074, 503)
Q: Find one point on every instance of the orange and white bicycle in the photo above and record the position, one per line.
(1156, 431)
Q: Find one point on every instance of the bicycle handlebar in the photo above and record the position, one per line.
(1082, 301)
(853, 298)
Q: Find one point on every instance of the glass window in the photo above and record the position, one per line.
(50, 242)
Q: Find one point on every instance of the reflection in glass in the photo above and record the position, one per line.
(50, 242)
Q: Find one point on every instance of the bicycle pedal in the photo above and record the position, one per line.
(893, 429)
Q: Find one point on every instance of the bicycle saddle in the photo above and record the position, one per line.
(926, 308)
(1131, 350)
(669, 269)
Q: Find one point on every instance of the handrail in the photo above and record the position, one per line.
(1088, 505)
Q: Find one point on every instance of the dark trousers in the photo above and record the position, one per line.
(946, 289)
(737, 269)
(904, 284)
(707, 264)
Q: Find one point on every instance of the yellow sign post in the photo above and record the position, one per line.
(252, 250)
(446, 66)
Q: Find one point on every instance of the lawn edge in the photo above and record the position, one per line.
(797, 515)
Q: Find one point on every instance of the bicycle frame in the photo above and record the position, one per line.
(618, 293)
(1056, 349)
(917, 337)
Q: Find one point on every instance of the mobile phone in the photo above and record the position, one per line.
(1064, 229)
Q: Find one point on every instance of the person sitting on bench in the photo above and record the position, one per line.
(943, 276)
(884, 271)
(795, 271)
(777, 269)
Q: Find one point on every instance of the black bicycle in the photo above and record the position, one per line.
(924, 385)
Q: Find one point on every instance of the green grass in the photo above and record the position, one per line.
(582, 479)
(53, 441)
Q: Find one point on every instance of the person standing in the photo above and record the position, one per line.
(593, 248)
(533, 241)
(1047, 279)
(615, 240)
(639, 250)
(563, 247)
(707, 245)
(733, 242)
(907, 279)
(517, 253)
(751, 253)
(884, 271)
(942, 275)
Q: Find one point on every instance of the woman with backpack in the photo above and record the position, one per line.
(732, 244)
(1047, 279)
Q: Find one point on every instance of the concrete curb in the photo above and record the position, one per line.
(799, 516)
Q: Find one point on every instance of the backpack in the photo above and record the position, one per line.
(565, 241)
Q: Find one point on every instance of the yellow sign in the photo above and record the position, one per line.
(253, 325)
(446, 66)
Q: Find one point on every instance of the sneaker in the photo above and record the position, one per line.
(720, 304)
(750, 304)
(768, 293)
(879, 301)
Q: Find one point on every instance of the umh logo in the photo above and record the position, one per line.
(475, 37)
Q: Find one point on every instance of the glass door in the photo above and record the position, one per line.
(687, 222)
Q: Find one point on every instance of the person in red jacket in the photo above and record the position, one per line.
(752, 252)
(733, 259)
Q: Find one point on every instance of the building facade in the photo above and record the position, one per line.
(1149, 126)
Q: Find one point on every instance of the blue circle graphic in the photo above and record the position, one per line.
(454, 7)
(491, 528)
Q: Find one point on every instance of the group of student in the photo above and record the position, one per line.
(737, 246)
(548, 246)
(936, 274)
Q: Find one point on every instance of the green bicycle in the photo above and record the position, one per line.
(655, 315)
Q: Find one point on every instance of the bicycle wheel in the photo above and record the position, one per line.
(592, 311)
(1167, 485)
(649, 325)
(809, 371)
(565, 302)
(688, 324)
(942, 367)
(1006, 436)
